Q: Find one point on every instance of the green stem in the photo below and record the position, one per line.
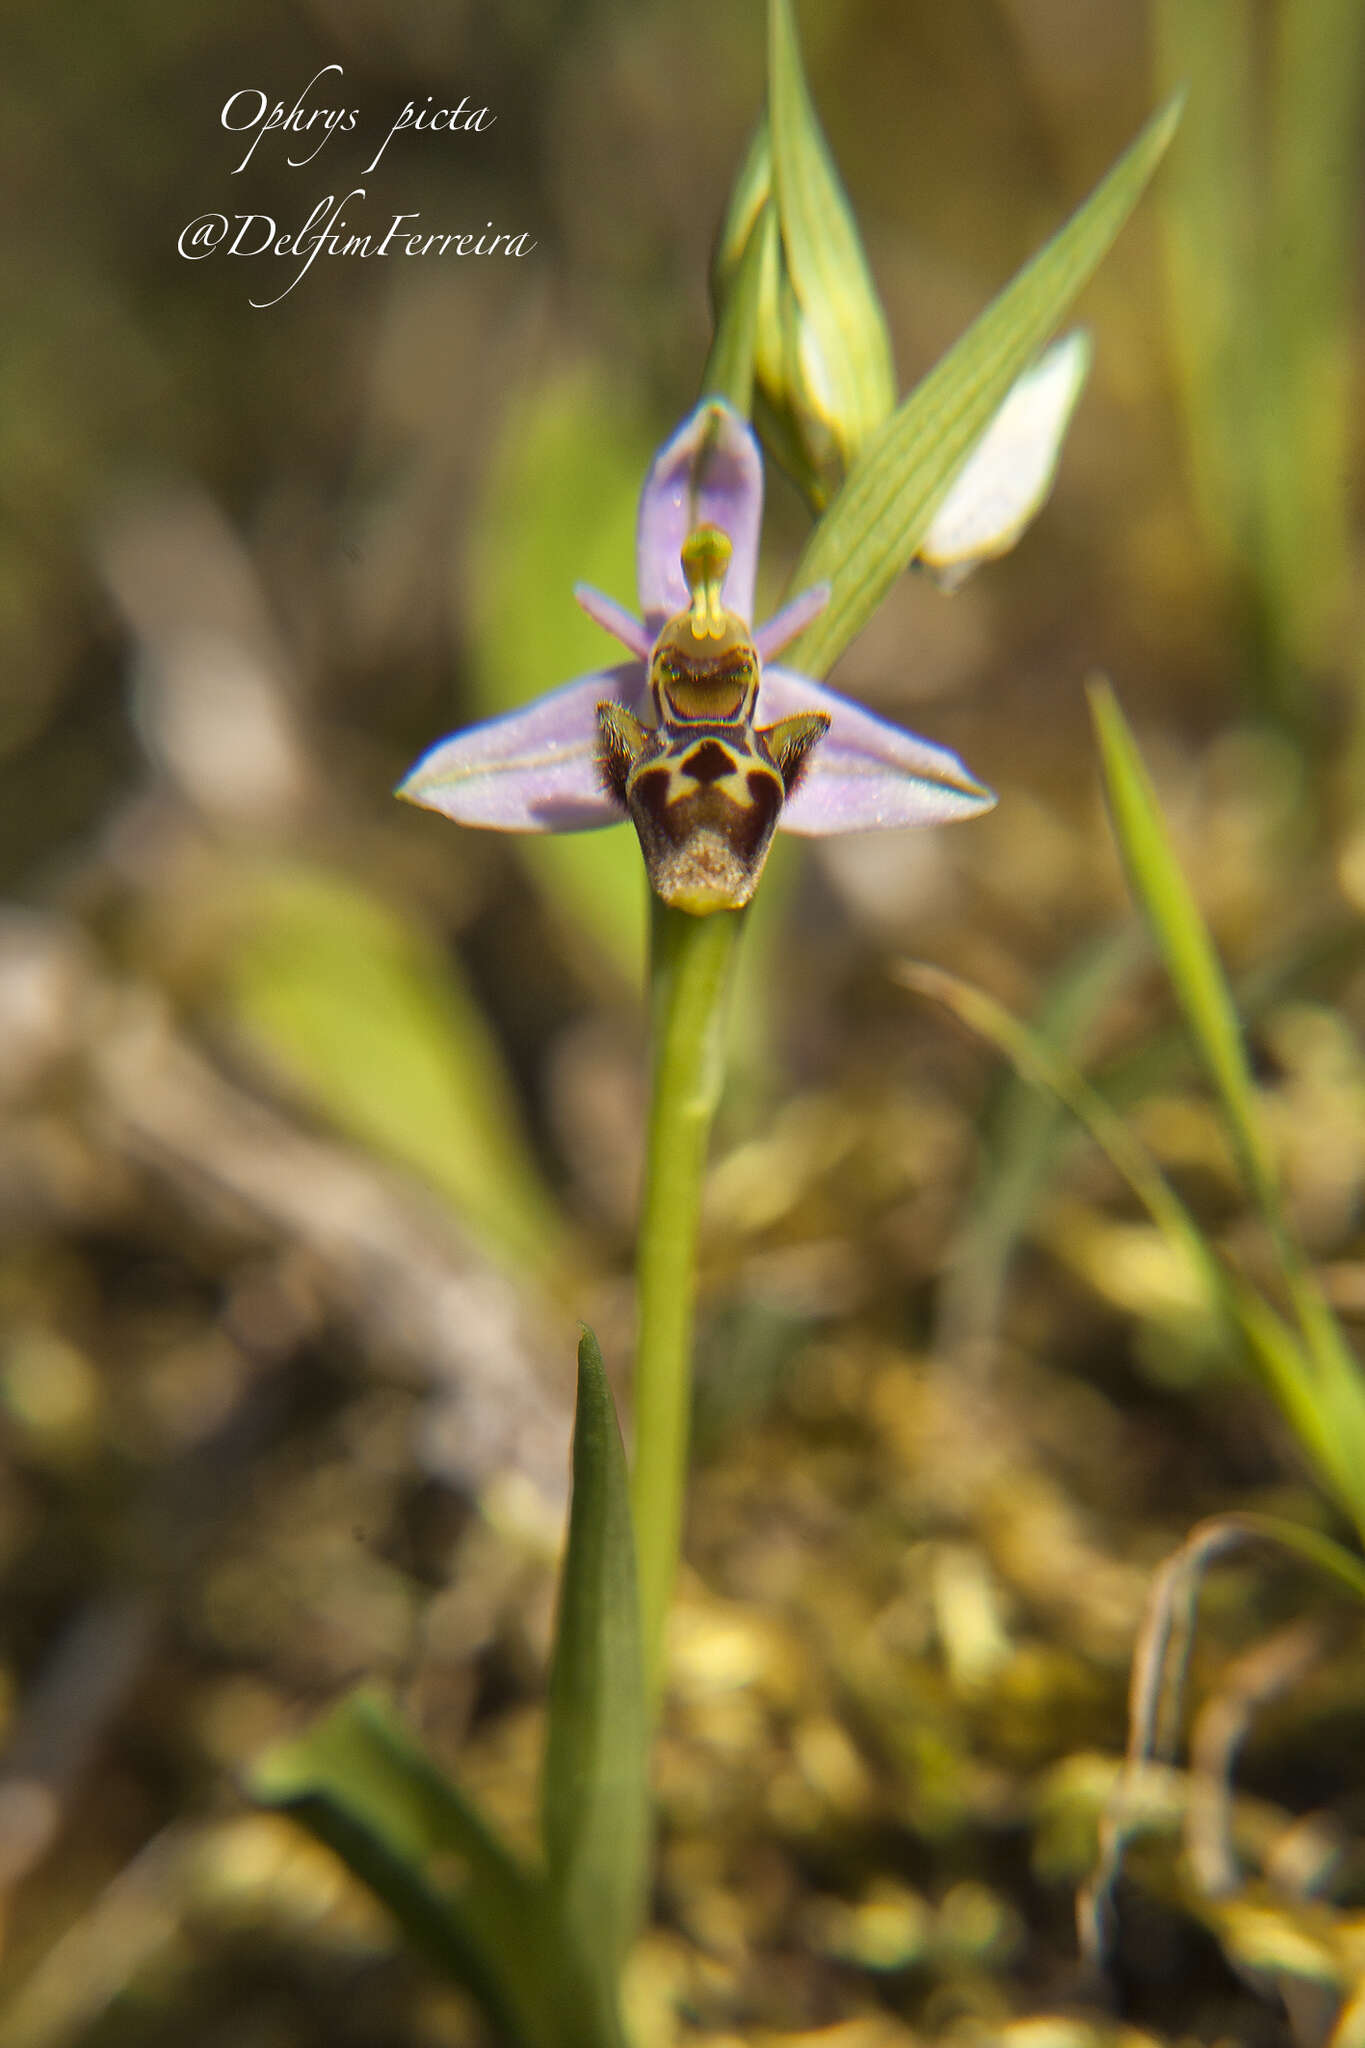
(690, 967)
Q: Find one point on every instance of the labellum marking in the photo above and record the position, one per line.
(704, 785)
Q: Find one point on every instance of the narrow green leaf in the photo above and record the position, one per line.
(596, 1814)
(1235, 1312)
(1260, 219)
(750, 193)
(1308, 413)
(730, 367)
(1043, 1066)
(1309, 1410)
(750, 196)
(1207, 213)
(361, 1785)
(1202, 992)
(1181, 936)
(875, 524)
(849, 384)
(1024, 1132)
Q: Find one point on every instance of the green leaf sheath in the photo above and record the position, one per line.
(596, 1792)
(692, 961)
(729, 372)
(852, 388)
(871, 531)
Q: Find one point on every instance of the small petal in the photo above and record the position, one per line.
(866, 774)
(709, 474)
(783, 627)
(1006, 479)
(614, 619)
(534, 770)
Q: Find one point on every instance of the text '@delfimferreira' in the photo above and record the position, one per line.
(328, 232)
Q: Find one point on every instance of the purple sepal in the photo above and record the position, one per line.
(783, 627)
(534, 770)
(866, 773)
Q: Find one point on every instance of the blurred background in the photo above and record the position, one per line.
(320, 1119)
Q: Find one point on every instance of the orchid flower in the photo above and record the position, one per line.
(702, 738)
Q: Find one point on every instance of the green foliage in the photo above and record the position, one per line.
(789, 259)
(1023, 1131)
(871, 531)
(359, 1783)
(1260, 219)
(1333, 1387)
(1305, 1362)
(1239, 1319)
(371, 1024)
(1181, 936)
(540, 1949)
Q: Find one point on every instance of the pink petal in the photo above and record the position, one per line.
(1007, 477)
(709, 474)
(614, 619)
(534, 770)
(783, 627)
(866, 774)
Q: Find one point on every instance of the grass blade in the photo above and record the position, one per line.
(1337, 1386)
(361, 1785)
(1181, 937)
(1040, 1064)
(1260, 218)
(1207, 215)
(877, 521)
(1312, 231)
(1239, 1315)
(1024, 1131)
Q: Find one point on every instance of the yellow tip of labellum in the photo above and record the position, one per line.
(705, 561)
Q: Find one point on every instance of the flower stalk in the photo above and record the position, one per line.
(691, 970)
(708, 744)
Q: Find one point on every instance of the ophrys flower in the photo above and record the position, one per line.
(703, 739)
